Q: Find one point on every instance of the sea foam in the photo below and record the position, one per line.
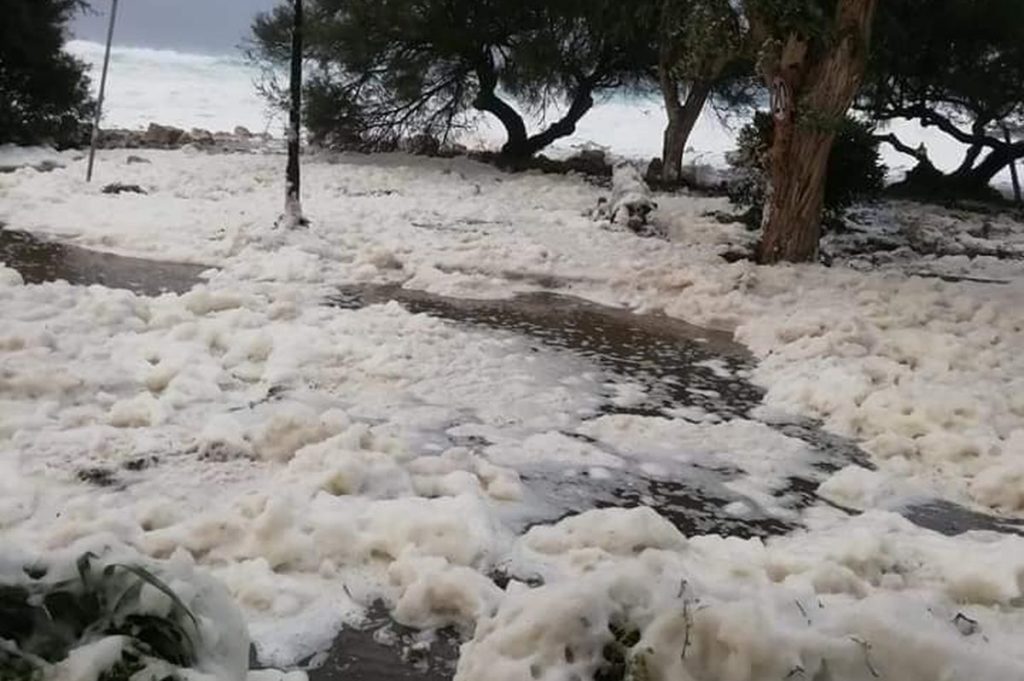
(175, 88)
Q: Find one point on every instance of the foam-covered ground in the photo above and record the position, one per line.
(297, 452)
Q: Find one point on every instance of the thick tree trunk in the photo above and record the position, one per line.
(674, 143)
(1014, 177)
(293, 191)
(970, 158)
(926, 182)
(994, 163)
(810, 96)
(518, 145)
(682, 117)
(487, 100)
(796, 195)
(971, 180)
(582, 102)
(974, 151)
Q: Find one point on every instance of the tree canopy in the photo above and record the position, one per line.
(44, 92)
(956, 66)
(384, 69)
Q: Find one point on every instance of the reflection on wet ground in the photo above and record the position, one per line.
(41, 261)
(660, 353)
(694, 504)
(385, 651)
(950, 519)
(679, 367)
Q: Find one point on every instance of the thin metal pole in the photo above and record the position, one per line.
(293, 198)
(103, 91)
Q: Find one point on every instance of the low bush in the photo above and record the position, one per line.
(855, 171)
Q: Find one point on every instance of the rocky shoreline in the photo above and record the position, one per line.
(158, 136)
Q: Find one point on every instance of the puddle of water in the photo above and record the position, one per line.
(670, 359)
(680, 366)
(386, 651)
(695, 505)
(41, 261)
(665, 355)
(951, 519)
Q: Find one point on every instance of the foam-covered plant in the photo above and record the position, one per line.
(44, 621)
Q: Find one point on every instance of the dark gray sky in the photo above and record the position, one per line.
(207, 26)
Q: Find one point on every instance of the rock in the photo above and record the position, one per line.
(162, 136)
(158, 136)
(589, 162)
(118, 188)
(133, 160)
(965, 625)
(201, 137)
(421, 145)
(242, 131)
(45, 166)
(119, 139)
(653, 174)
(631, 197)
(732, 255)
(455, 149)
(631, 203)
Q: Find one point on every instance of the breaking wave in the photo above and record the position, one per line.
(176, 88)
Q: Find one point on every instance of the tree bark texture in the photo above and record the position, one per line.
(810, 96)
(682, 117)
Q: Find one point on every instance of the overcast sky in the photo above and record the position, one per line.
(208, 26)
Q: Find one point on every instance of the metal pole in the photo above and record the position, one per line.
(103, 91)
(293, 198)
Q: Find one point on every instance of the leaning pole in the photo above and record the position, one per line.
(103, 91)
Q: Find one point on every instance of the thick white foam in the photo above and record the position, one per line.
(175, 88)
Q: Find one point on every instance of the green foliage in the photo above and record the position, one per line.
(617, 656)
(855, 172)
(560, 44)
(44, 92)
(378, 70)
(967, 57)
(703, 36)
(42, 621)
(957, 66)
(381, 70)
(811, 19)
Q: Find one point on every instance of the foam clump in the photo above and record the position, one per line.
(876, 598)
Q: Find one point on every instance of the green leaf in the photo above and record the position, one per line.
(154, 581)
(160, 637)
(71, 610)
(128, 598)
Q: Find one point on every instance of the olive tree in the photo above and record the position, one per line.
(385, 69)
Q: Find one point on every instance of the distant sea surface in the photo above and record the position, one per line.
(218, 93)
(174, 88)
